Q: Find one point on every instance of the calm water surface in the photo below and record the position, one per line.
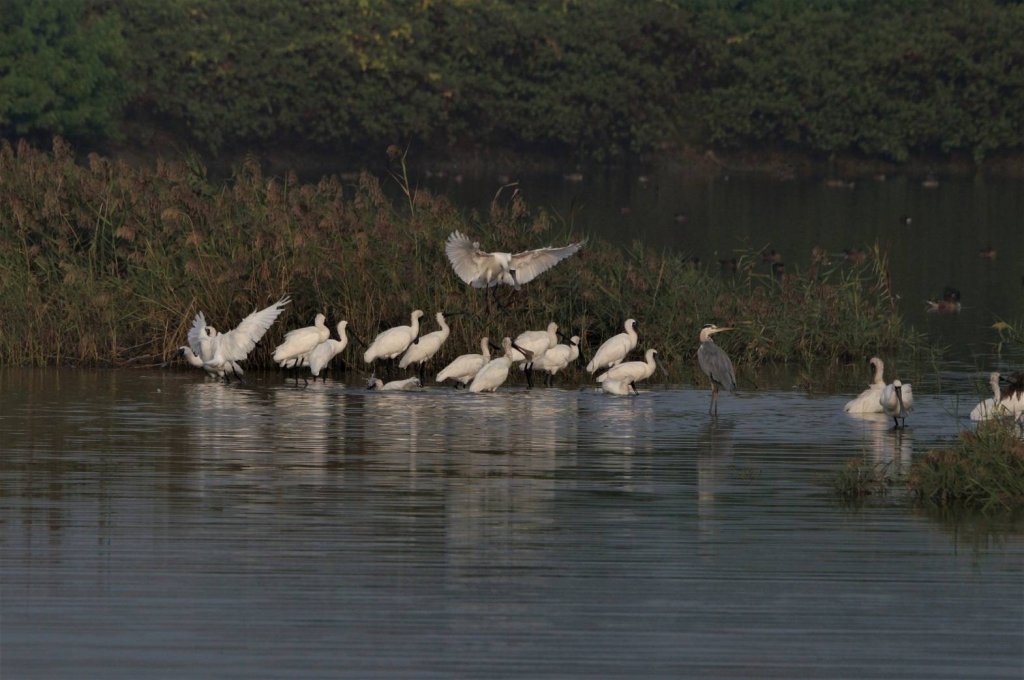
(158, 525)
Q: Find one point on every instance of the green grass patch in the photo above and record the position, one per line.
(982, 470)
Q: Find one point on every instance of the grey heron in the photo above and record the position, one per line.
(716, 364)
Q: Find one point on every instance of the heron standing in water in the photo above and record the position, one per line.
(716, 364)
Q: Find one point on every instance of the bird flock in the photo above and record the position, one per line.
(549, 351)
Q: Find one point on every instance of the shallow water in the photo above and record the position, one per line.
(159, 525)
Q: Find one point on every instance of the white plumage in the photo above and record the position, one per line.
(220, 353)
(896, 400)
(392, 342)
(427, 345)
(323, 353)
(394, 386)
(615, 349)
(632, 371)
(534, 342)
(559, 357)
(618, 387)
(1002, 403)
(301, 341)
(465, 366)
(495, 372)
(868, 400)
(481, 269)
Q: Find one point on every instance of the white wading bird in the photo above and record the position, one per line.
(322, 354)
(557, 358)
(634, 371)
(533, 344)
(619, 387)
(301, 341)
(868, 400)
(1004, 402)
(391, 343)
(896, 400)
(464, 367)
(716, 364)
(406, 385)
(491, 376)
(426, 346)
(615, 349)
(487, 270)
(219, 353)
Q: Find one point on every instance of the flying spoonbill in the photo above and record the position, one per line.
(464, 367)
(634, 371)
(896, 400)
(494, 374)
(221, 352)
(615, 349)
(485, 270)
(391, 343)
(716, 364)
(426, 346)
(868, 400)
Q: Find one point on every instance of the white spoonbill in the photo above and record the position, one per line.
(426, 346)
(615, 349)
(464, 367)
(868, 400)
(1004, 402)
(494, 374)
(535, 344)
(618, 387)
(634, 371)
(221, 352)
(301, 341)
(322, 354)
(557, 358)
(896, 400)
(391, 343)
(716, 364)
(485, 270)
(406, 385)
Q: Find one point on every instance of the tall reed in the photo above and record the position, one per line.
(106, 264)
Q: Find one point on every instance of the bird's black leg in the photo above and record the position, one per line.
(529, 374)
(897, 421)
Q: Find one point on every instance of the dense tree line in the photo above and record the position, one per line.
(595, 78)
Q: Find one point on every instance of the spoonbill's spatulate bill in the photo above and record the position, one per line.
(716, 364)
(897, 399)
(481, 269)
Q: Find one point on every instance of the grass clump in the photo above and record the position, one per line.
(983, 470)
(106, 264)
(860, 479)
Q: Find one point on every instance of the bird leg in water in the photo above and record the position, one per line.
(528, 370)
(713, 410)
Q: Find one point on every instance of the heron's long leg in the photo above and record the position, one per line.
(714, 399)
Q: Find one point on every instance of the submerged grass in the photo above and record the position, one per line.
(860, 479)
(105, 264)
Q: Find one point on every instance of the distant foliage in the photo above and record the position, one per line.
(59, 70)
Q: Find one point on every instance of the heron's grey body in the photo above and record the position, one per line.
(716, 364)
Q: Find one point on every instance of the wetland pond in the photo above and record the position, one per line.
(156, 524)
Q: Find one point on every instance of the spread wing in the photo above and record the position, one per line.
(239, 341)
(468, 261)
(530, 264)
(198, 324)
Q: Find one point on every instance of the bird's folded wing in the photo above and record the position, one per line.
(198, 324)
(237, 343)
(532, 263)
(466, 257)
